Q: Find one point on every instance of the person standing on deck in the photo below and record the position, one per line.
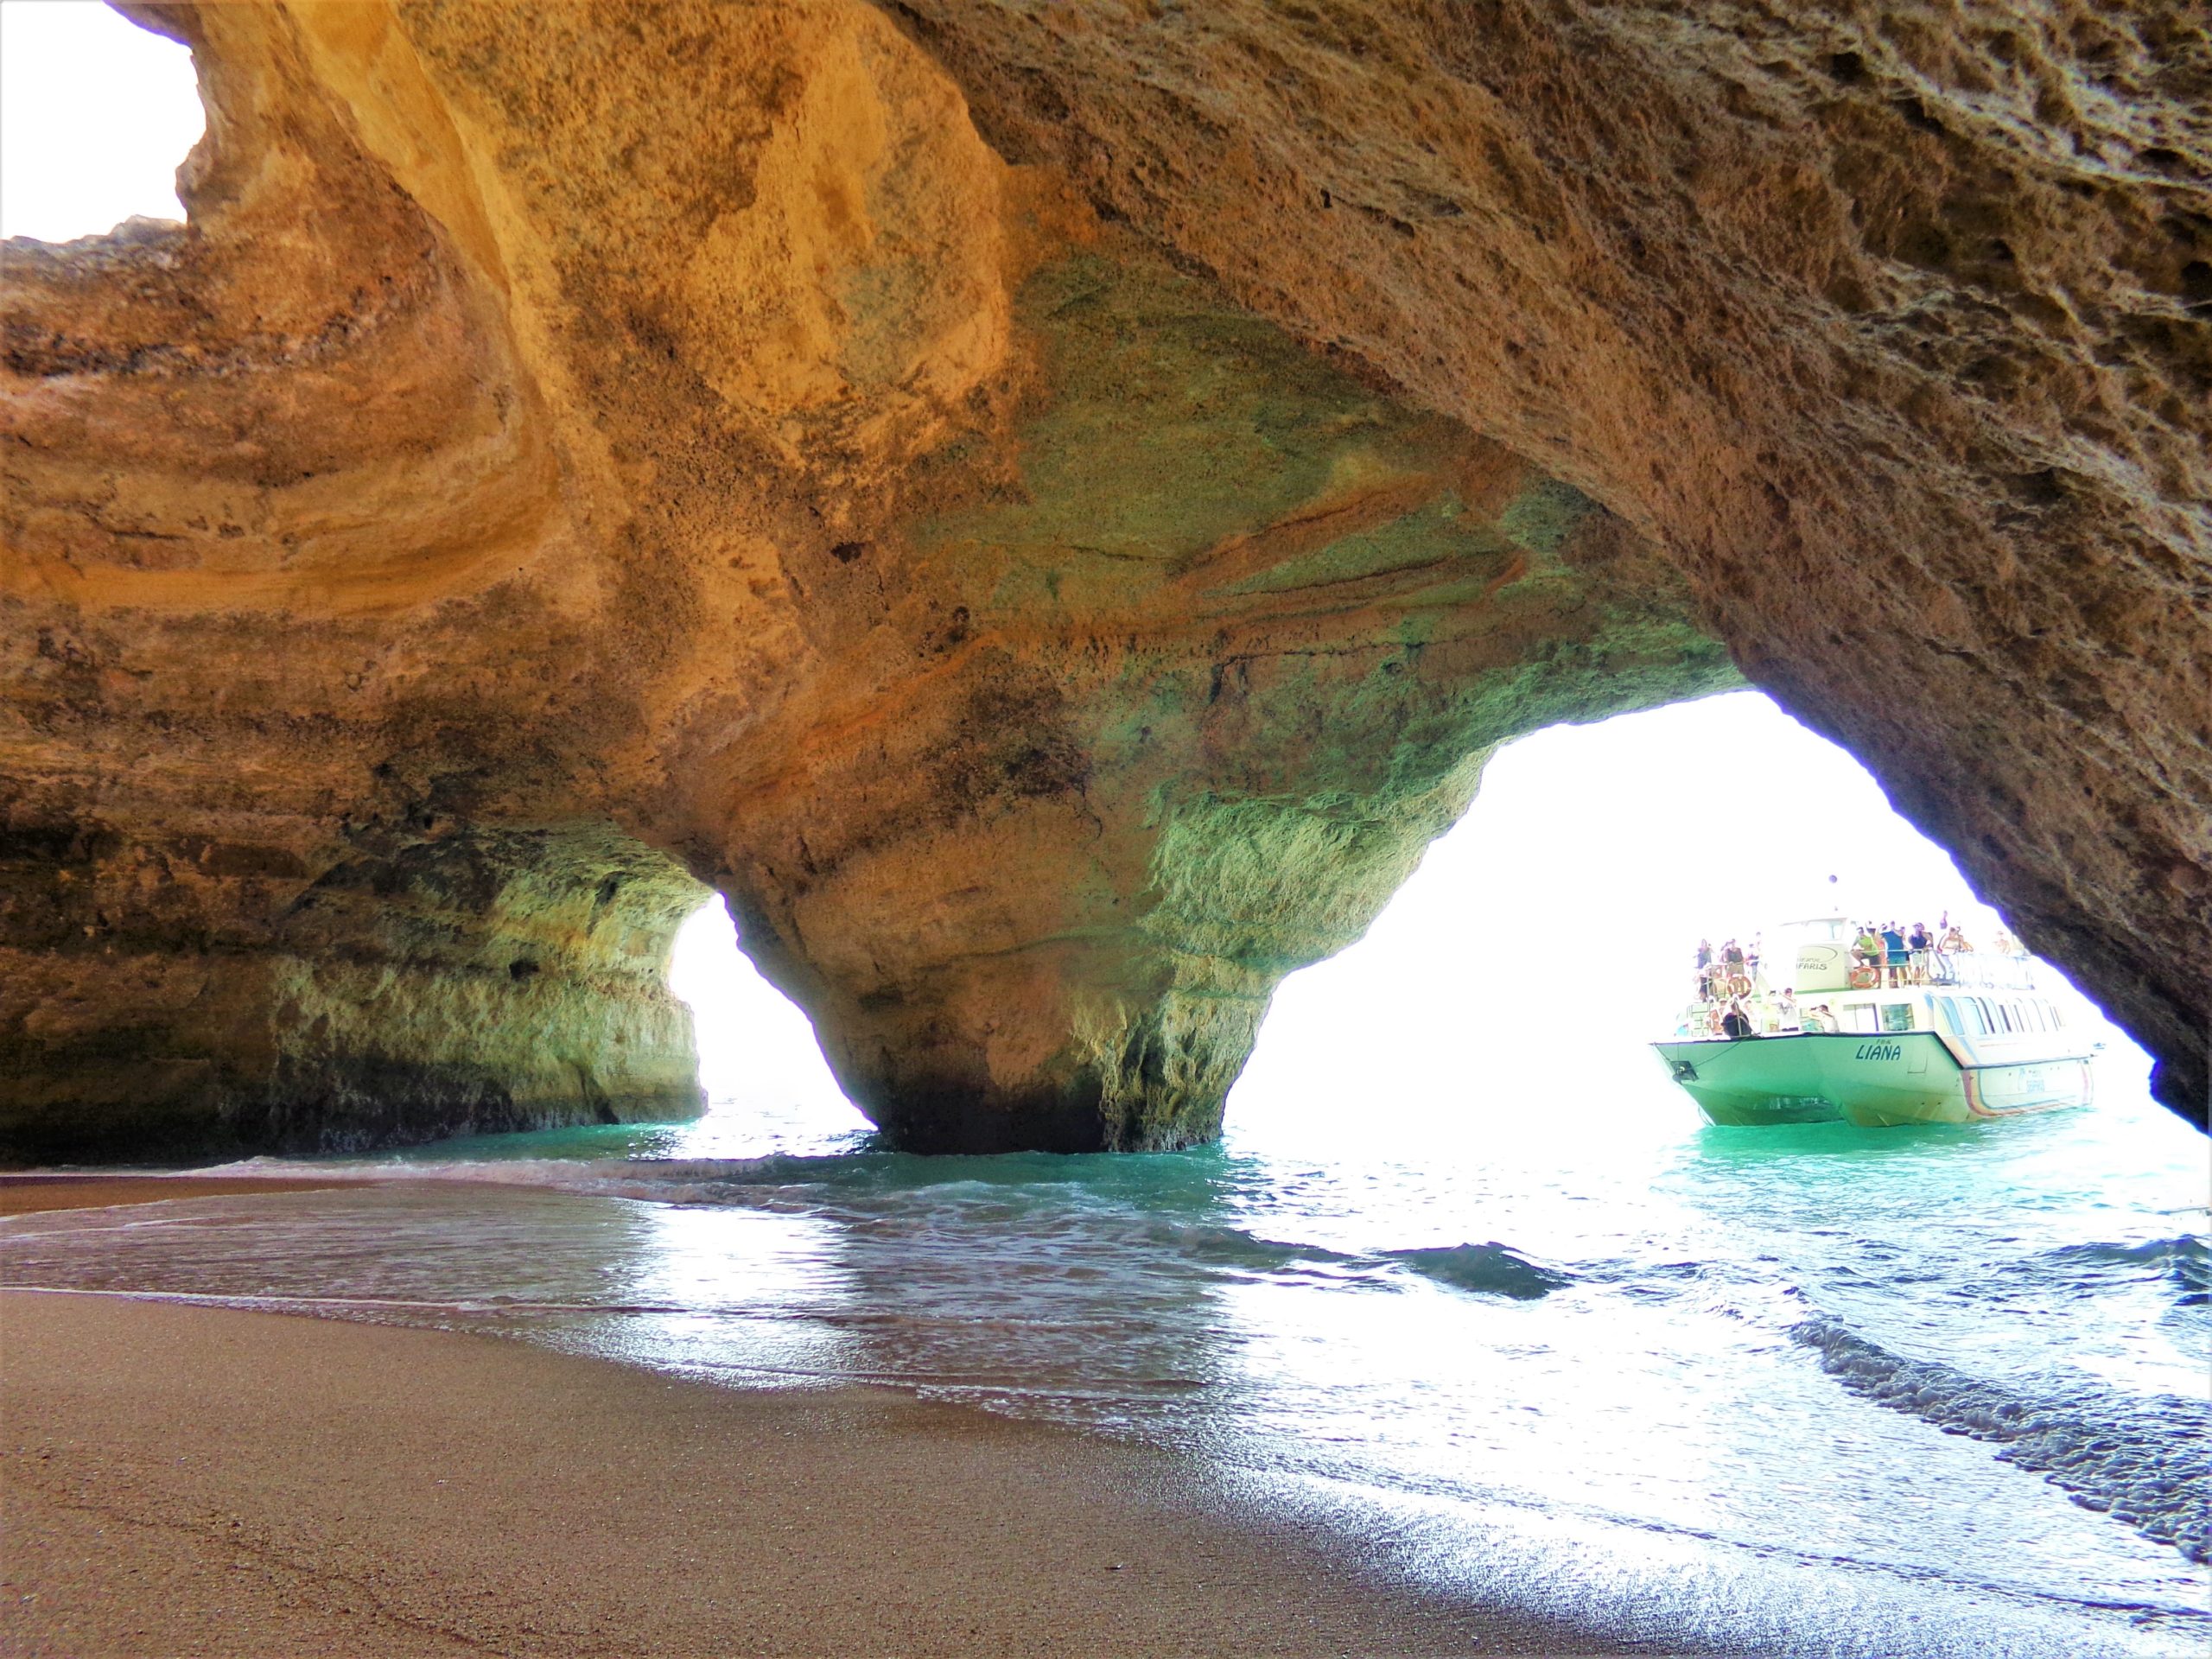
(1868, 948)
(1893, 954)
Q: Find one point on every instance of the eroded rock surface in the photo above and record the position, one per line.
(1049, 508)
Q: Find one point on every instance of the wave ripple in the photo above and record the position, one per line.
(1493, 1270)
(2154, 1472)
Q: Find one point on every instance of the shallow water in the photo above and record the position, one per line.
(1814, 1388)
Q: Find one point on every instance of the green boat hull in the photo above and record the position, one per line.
(1874, 1080)
(1750, 1082)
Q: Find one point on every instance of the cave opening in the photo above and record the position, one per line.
(96, 115)
(1556, 919)
(1549, 937)
(760, 1066)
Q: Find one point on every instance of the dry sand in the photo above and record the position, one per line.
(191, 1480)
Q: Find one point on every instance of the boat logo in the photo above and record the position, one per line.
(1879, 1051)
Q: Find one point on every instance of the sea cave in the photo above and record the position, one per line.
(1048, 518)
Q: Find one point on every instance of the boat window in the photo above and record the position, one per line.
(2004, 1013)
(1949, 1008)
(2058, 1019)
(1988, 1019)
(1859, 1016)
(1896, 1016)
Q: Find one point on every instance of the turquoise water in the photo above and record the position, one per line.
(1468, 1276)
(1813, 1389)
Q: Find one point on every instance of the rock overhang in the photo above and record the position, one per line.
(1055, 586)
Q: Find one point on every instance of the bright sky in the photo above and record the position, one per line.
(95, 116)
(1554, 926)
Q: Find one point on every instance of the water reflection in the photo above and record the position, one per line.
(740, 1294)
(1485, 1343)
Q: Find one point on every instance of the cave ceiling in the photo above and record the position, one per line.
(1048, 509)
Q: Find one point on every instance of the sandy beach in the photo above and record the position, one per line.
(22, 1195)
(191, 1480)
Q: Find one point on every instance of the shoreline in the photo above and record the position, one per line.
(195, 1480)
(23, 1193)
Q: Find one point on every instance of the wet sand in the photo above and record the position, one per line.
(205, 1481)
(21, 1195)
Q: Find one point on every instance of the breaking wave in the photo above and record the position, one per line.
(2151, 1468)
(1491, 1269)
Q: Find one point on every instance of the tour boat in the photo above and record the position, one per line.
(1965, 1039)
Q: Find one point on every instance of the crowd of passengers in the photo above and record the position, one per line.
(1887, 954)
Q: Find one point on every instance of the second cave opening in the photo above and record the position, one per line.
(1557, 918)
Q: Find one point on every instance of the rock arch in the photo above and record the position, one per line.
(1049, 513)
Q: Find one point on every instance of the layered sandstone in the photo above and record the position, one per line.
(1048, 509)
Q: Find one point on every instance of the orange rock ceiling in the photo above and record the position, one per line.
(1048, 508)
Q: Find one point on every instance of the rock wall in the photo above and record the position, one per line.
(193, 995)
(1049, 509)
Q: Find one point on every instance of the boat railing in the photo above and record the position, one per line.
(1991, 970)
(1988, 970)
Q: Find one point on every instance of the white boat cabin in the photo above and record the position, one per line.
(1985, 1000)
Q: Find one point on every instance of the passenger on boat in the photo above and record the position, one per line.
(1893, 953)
(1922, 942)
(1869, 951)
(1736, 1024)
(1818, 1018)
(1954, 942)
(1785, 1008)
(1731, 960)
